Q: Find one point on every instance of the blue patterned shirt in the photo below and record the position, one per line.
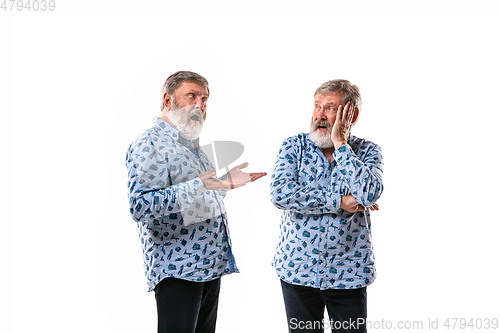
(321, 245)
(182, 226)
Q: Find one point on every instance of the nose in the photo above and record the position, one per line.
(320, 114)
(200, 105)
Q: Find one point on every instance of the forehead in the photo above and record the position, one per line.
(333, 98)
(188, 87)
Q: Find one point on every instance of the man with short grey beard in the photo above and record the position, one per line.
(178, 204)
(326, 182)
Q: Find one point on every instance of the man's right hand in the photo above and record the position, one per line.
(349, 204)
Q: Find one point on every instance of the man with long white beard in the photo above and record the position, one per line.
(324, 181)
(179, 207)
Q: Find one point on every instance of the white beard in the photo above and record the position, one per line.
(181, 120)
(321, 139)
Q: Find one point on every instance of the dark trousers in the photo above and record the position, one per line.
(187, 307)
(305, 308)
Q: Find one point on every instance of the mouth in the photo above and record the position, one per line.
(321, 128)
(195, 117)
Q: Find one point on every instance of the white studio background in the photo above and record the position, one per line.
(77, 88)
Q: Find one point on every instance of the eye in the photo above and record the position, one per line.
(191, 95)
(204, 99)
(331, 108)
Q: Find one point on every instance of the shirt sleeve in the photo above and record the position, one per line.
(151, 196)
(362, 174)
(286, 191)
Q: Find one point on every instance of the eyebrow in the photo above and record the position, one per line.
(327, 104)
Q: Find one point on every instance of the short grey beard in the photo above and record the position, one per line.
(180, 120)
(322, 140)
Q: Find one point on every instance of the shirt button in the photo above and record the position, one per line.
(322, 235)
(321, 257)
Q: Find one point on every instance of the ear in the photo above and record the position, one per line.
(355, 116)
(167, 102)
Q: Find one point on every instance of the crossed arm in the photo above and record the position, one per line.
(340, 135)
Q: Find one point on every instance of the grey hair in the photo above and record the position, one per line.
(349, 91)
(175, 80)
